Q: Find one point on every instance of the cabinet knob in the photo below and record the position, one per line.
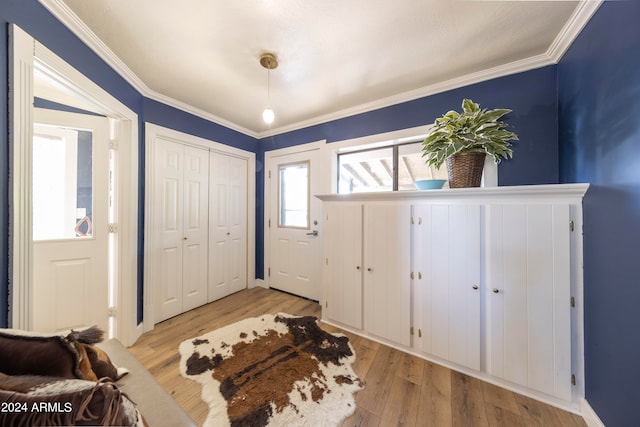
(228, 233)
(357, 267)
(184, 238)
(369, 269)
(475, 287)
(496, 290)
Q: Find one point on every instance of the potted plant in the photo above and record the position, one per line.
(463, 140)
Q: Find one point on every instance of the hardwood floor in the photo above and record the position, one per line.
(400, 389)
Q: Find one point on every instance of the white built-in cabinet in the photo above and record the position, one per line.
(343, 263)
(180, 217)
(227, 225)
(528, 295)
(387, 261)
(487, 281)
(445, 242)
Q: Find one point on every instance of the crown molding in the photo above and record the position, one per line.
(572, 28)
(581, 15)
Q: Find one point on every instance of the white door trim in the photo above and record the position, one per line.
(154, 132)
(27, 55)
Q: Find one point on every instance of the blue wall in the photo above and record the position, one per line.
(599, 123)
(531, 95)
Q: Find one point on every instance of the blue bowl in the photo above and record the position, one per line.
(429, 184)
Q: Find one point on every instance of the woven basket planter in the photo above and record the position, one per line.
(465, 169)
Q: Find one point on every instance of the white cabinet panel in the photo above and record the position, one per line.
(387, 266)
(529, 276)
(446, 280)
(342, 255)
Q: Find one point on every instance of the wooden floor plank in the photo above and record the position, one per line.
(400, 389)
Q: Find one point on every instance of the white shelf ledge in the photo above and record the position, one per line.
(547, 191)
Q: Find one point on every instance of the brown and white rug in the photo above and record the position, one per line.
(273, 371)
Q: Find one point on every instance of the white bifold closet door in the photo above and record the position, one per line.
(227, 225)
(180, 220)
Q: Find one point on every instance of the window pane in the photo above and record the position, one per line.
(412, 167)
(370, 170)
(294, 195)
(62, 183)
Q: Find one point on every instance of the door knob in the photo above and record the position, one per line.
(496, 290)
(475, 287)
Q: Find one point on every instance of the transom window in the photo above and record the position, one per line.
(387, 168)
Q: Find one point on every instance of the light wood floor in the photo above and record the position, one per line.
(400, 389)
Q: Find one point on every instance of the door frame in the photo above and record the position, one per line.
(152, 133)
(270, 161)
(26, 56)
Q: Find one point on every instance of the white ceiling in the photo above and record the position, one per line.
(337, 57)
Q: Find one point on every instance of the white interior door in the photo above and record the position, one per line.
(181, 226)
(294, 220)
(228, 225)
(70, 221)
(195, 227)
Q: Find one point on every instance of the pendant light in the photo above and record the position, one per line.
(270, 62)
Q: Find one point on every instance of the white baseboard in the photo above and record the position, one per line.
(589, 415)
(261, 283)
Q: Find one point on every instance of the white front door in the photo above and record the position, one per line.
(227, 225)
(70, 221)
(294, 221)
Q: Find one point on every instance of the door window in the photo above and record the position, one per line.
(62, 183)
(293, 195)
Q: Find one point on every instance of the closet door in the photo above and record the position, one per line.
(446, 280)
(228, 226)
(180, 225)
(195, 227)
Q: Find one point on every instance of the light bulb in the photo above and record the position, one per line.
(268, 116)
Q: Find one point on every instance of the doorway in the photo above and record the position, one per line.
(36, 71)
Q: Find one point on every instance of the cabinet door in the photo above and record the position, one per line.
(342, 247)
(446, 280)
(528, 269)
(387, 268)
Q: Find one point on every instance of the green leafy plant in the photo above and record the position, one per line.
(475, 130)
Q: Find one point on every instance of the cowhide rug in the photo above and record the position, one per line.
(273, 371)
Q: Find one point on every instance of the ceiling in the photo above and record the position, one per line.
(336, 57)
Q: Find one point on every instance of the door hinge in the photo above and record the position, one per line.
(571, 225)
(412, 220)
(411, 331)
(419, 333)
(113, 145)
(269, 223)
(113, 227)
(112, 311)
(573, 379)
(269, 174)
(326, 261)
(573, 302)
(269, 271)
(326, 304)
